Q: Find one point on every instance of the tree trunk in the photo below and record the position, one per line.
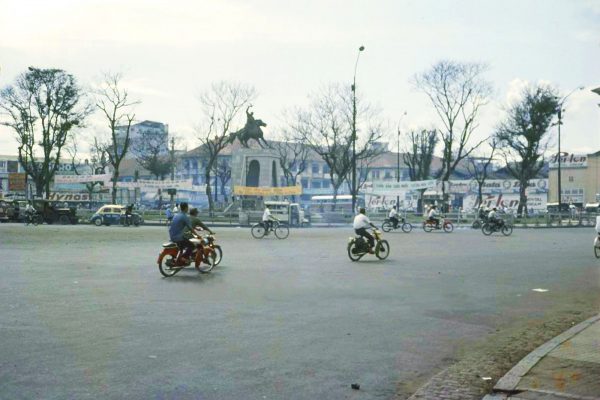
(39, 188)
(114, 186)
(47, 194)
(522, 199)
(335, 192)
(479, 193)
(208, 190)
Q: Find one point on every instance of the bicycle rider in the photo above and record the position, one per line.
(267, 220)
(361, 224)
(29, 211)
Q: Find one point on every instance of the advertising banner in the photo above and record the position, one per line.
(151, 185)
(535, 202)
(396, 188)
(62, 179)
(568, 160)
(57, 196)
(16, 182)
(267, 191)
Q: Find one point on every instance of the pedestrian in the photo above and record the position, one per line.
(169, 215)
(176, 209)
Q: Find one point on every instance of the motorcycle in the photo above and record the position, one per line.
(204, 256)
(33, 217)
(388, 225)
(358, 246)
(444, 224)
(490, 227)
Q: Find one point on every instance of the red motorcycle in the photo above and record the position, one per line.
(205, 256)
(444, 224)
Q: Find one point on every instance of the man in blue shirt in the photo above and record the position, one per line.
(181, 221)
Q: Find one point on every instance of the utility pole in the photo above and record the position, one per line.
(171, 194)
(353, 188)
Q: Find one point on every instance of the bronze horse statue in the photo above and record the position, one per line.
(250, 131)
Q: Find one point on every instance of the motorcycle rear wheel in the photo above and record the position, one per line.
(382, 249)
(165, 266)
(597, 251)
(486, 229)
(353, 257)
(386, 226)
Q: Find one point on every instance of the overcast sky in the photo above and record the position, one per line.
(170, 50)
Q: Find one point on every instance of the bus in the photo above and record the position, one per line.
(323, 203)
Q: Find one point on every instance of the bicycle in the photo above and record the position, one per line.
(280, 229)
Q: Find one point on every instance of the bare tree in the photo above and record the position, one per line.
(457, 92)
(220, 106)
(479, 168)
(523, 136)
(418, 155)
(326, 128)
(223, 174)
(95, 165)
(292, 155)
(114, 103)
(151, 151)
(43, 106)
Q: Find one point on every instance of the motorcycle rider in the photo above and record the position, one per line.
(393, 216)
(493, 217)
(177, 229)
(432, 216)
(29, 211)
(361, 224)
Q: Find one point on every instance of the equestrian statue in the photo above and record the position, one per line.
(250, 131)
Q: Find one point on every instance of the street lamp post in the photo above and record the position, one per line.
(353, 188)
(398, 165)
(559, 112)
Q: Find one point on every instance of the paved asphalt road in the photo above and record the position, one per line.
(84, 312)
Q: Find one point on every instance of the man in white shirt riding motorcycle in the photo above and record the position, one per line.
(432, 216)
(361, 224)
(393, 216)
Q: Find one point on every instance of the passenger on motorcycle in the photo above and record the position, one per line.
(196, 222)
(177, 230)
(432, 216)
(482, 214)
(361, 224)
(393, 216)
(267, 220)
(493, 217)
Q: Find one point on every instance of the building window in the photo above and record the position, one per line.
(570, 179)
(326, 184)
(304, 183)
(315, 168)
(316, 184)
(388, 174)
(374, 174)
(326, 169)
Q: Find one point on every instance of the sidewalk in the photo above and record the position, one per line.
(566, 367)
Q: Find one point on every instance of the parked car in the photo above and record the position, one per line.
(52, 214)
(11, 210)
(114, 214)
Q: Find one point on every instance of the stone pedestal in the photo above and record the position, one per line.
(255, 167)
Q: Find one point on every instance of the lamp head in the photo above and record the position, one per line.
(361, 48)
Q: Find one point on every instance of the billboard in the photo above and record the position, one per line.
(568, 160)
(16, 182)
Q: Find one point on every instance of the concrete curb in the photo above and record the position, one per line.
(508, 383)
